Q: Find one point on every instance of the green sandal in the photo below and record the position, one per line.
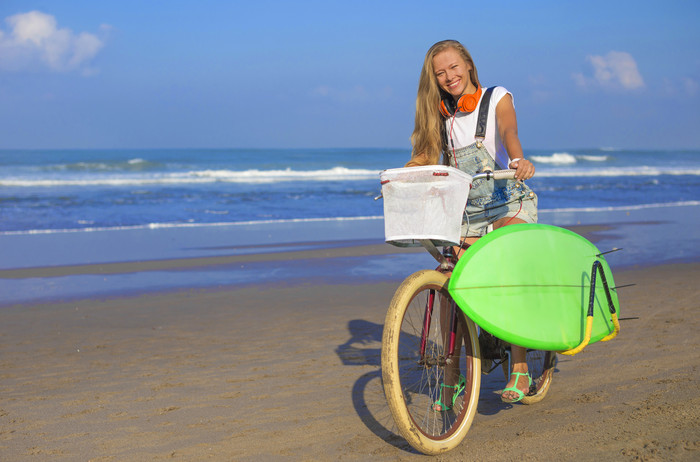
(459, 388)
(514, 388)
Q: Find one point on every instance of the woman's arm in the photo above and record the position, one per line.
(508, 129)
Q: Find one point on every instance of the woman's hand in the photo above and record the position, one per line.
(524, 170)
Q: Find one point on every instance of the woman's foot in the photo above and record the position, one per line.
(517, 387)
(449, 394)
(519, 383)
(439, 407)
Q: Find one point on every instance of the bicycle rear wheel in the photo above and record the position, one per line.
(541, 365)
(413, 383)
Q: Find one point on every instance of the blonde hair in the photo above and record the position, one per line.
(427, 139)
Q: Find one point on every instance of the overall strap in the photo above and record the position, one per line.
(480, 133)
(443, 136)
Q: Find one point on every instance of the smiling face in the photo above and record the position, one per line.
(453, 73)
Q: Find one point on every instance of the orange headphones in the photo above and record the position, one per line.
(466, 103)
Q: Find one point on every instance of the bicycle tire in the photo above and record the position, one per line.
(541, 365)
(412, 385)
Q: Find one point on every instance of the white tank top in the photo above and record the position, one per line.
(464, 127)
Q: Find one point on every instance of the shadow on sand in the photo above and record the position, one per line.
(363, 349)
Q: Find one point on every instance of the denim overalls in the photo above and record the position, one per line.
(490, 200)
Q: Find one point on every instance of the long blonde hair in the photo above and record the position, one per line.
(427, 139)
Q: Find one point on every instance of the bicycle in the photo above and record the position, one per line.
(432, 353)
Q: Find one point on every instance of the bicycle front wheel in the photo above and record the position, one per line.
(417, 370)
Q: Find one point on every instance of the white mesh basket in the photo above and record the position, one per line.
(424, 203)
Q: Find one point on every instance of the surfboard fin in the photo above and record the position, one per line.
(609, 251)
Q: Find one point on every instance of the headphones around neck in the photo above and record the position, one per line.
(466, 103)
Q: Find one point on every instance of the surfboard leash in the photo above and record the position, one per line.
(597, 267)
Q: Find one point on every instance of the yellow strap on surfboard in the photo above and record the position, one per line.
(589, 318)
(587, 335)
(616, 325)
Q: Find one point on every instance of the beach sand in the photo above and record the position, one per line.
(292, 372)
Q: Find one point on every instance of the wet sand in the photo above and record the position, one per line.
(292, 372)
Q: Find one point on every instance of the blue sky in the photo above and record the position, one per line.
(221, 74)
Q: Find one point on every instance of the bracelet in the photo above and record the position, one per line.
(514, 160)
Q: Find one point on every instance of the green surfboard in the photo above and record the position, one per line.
(530, 285)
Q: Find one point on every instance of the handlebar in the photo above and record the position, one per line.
(490, 175)
(497, 175)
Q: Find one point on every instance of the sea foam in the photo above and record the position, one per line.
(198, 177)
(556, 158)
(320, 220)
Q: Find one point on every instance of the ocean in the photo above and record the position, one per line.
(86, 210)
(87, 190)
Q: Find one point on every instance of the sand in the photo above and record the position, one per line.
(292, 373)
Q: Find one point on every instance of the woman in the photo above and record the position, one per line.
(450, 100)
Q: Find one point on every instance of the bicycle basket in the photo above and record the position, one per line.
(424, 203)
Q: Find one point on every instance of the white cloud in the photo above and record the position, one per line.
(690, 86)
(579, 79)
(34, 39)
(323, 90)
(679, 88)
(617, 69)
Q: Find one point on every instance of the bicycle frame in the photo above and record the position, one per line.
(426, 327)
(447, 262)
